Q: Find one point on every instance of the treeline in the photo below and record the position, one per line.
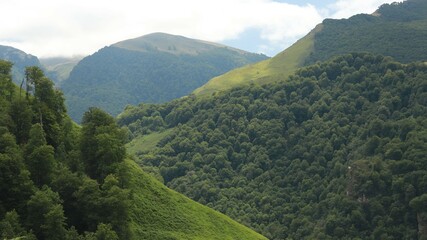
(57, 180)
(336, 151)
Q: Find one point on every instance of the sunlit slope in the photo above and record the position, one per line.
(398, 30)
(282, 65)
(160, 213)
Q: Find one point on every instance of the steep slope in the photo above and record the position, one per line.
(153, 68)
(282, 65)
(19, 59)
(398, 30)
(336, 151)
(160, 213)
(63, 181)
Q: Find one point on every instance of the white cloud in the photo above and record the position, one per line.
(63, 27)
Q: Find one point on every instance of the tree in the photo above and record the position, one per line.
(102, 143)
(11, 228)
(40, 157)
(48, 104)
(7, 87)
(103, 232)
(22, 116)
(15, 184)
(116, 200)
(45, 215)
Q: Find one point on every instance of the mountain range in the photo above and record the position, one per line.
(331, 150)
(326, 140)
(398, 30)
(154, 68)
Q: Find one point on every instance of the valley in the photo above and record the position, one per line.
(168, 137)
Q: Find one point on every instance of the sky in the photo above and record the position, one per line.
(48, 28)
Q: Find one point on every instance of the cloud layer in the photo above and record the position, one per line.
(63, 27)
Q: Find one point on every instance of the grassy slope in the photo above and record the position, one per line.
(283, 65)
(145, 143)
(64, 69)
(62, 66)
(169, 43)
(160, 213)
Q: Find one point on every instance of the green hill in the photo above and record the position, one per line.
(336, 151)
(63, 181)
(154, 68)
(398, 30)
(160, 213)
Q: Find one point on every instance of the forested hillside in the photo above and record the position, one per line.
(20, 60)
(336, 151)
(62, 181)
(154, 68)
(398, 30)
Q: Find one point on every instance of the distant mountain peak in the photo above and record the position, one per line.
(174, 44)
(154, 68)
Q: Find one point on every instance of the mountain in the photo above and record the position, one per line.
(336, 151)
(63, 181)
(59, 68)
(19, 59)
(154, 68)
(398, 30)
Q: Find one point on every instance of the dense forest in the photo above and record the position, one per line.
(337, 150)
(398, 30)
(116, 76)
(62, 181)
(57, 180)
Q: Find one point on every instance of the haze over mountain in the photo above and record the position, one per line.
(154, 68)
(59, 68)
(398, 30)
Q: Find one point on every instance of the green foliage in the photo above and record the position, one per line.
(10, 227)
(125, 74)
(7, 88)
(20, 61)
(159, 213)
(15, 184)
(104, 232)
(45, 214)
(21, 116)
(396, 30)
(45, 192)
(335, 151)
(102, 144)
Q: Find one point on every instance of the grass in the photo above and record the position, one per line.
(161, 213)
(281, 66)
(172, 44)
(145, 143)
